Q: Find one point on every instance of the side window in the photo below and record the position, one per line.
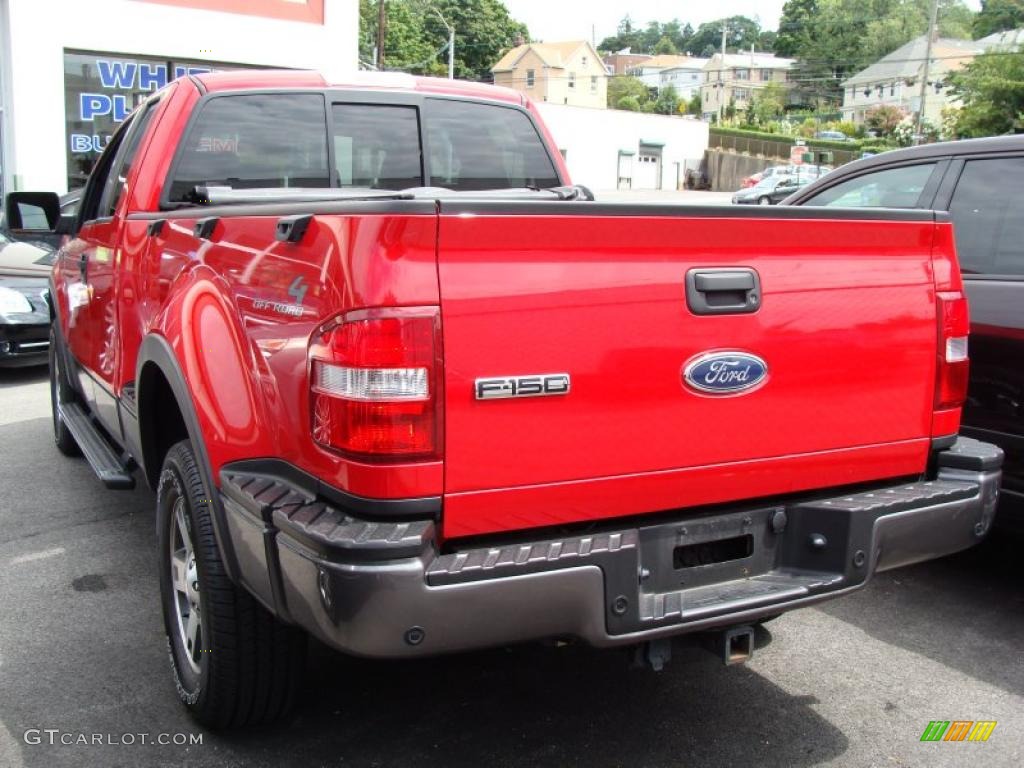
(376, 146)
(115, 184)
(892, 188)
(254, 141)
(478, 147)
(97, 184)
(986, 217)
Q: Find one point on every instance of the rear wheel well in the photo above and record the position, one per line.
(161, 424)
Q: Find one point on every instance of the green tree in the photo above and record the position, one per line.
(626, 36)
(626, 92)
(665, 46)
(651, 39)
(730, 109)
(406, 42)
(667, 102)
(680, 34)
(795, 27)
(741, 33)
(416, 38)
(991, 90)
(768, 103)
(998, 16)
(651, 35)
(629, 103)
(696, 105)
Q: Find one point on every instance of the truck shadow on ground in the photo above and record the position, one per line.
(538, 705)
(18, 377)
(958, 610)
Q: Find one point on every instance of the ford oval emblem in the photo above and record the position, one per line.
(725, 373)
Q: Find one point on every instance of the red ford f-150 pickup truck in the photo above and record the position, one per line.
(399, 385)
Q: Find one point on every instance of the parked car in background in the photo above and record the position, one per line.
(24, 314)
(768, 172)
(808, 172)
(832, 136)
(772, 190)
(980, 182)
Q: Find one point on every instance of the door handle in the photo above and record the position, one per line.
(723, 291)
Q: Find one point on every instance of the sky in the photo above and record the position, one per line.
(572, 19)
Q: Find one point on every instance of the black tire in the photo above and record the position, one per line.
(248, 663)
(764, 200)
(60, 392)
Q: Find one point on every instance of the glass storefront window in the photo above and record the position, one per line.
(101, 90)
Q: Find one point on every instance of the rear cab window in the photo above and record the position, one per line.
(480, 147)
(891, 188)
(254, 141)
(986, 216)
(376, 146)
(313, 140)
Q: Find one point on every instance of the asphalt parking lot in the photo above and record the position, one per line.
(853, 683)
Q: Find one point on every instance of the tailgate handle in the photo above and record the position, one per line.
(723, 291)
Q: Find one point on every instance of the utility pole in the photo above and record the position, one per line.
(927, 65)
(451, 44)
(382, 25)
(721, 78)
(451, 53)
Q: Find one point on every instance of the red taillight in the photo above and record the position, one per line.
(952, 365)
(375, 379)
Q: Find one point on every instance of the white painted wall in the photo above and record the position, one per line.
(40, 30)
(592, 139)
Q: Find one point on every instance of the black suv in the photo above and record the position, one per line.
(981, 183)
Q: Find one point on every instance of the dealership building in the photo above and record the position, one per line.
(70, 72)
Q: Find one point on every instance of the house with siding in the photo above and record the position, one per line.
(895, 79)
(735, 78)
(568, 72)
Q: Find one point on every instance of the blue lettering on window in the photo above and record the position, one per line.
(116, 74)
(84, 143)
(80, 142)
(92, 104)
(152, 77)
(121, 108)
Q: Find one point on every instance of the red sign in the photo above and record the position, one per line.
(290, 10)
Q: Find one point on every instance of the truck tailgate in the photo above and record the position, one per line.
(845, 325)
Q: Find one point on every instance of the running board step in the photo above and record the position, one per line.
(112, 471)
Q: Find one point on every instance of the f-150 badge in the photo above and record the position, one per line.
(536, 385)
(725, 373)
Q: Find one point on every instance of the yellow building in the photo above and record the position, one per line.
(560, 73)
(737, 77)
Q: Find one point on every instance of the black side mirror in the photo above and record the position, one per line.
(66, 224)
(32, 211)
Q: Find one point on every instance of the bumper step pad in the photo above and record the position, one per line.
(890, 500)
(517, 559)
(326, 529)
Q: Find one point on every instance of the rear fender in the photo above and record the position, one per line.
(200, 350)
